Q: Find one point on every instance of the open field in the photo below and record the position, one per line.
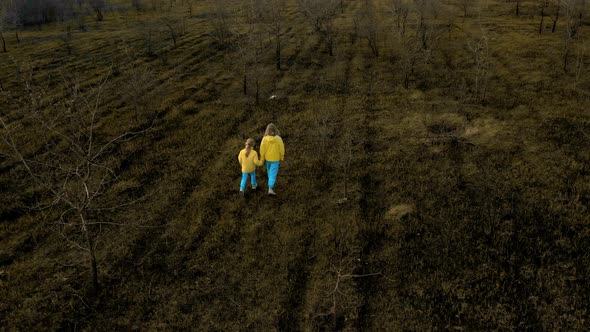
(464, 143)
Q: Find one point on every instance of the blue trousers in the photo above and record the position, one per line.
(245, 179)
(272, 168)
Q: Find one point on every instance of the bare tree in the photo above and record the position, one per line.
(139, 83)
(4, 9)
(3, 40)
(407, 55)
(542, 4)
(557, 9)
(449, 19)
(148, 40)
(404, 50)
(67, 39)
(572, 23)
(316, 11)
(220, 23)
(175, 28)
(138, 90)
(75, 170)
(137, 4)
(399, 9)
(250, 49)
(271, 13)
(349, 145)
(98, 7)
(582, 9)
(321, 13)
(480, 53)
(13, 20)
(465, 6)
(581, 55)
(426, 12)
(368, 27)
(339, 293)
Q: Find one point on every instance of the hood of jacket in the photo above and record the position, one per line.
(272, 139)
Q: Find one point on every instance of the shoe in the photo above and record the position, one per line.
(254, 188)
(242, 193)
(271, 192)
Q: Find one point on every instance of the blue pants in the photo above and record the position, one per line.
(245, 179)
(272, 168)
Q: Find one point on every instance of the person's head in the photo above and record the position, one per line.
(249, 145)
(271, 130)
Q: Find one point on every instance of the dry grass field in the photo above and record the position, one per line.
(463, 143)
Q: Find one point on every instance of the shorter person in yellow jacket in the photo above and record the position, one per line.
(272, 150)
(248, 158)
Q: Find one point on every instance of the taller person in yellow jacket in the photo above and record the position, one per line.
(272, 150)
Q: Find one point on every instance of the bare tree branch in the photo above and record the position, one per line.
(121, 137)
(77, 174)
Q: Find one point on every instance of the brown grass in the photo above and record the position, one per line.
(462, 213)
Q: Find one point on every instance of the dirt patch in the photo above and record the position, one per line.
(416, 95)
(482, 131)
(397, 212)
(446, 128)
(441, 128)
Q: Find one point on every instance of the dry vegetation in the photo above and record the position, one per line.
(437, 173)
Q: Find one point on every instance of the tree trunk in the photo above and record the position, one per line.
(405, 20)
(374, 47)
(172, 33)
(407, 80)
(3, 42)
(17, 38)
(566, 51)
(423, 32)
(556, 17)
(565, 60)
(257, 92)
(93, 266)
(542, 20)
(278, 53)
(92, 253)
(328, 38)
(244, 83)
(99, 16)
(346, 183)
(517, 7)
(346, 170)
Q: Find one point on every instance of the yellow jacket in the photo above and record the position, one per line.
(250, 162)
(272, 148)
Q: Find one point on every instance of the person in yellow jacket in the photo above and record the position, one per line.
(272, 150)
(248, 158)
